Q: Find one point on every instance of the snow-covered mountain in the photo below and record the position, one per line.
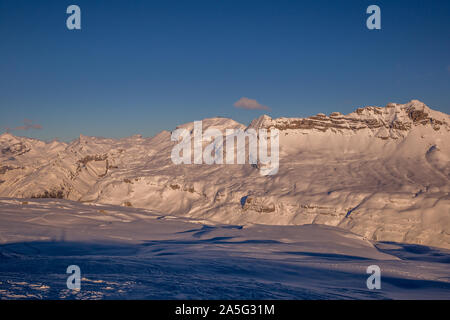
(381, 172)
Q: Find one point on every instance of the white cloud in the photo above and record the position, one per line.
(250, 104)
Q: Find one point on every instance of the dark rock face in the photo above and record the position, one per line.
(16, 149)
(323, 124)
(417, 115)
(420, 117)
(4, 169)
(54, 194)
(257, 204)
(90, 158)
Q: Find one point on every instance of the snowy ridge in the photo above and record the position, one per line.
(380, 172)
(392, 121)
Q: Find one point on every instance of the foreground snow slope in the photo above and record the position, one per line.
(380, 172)
(138, 254)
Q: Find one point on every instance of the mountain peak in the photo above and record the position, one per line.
(394, 120)
(9, 138)
(6, 136)
(260, 122)
(217, 122)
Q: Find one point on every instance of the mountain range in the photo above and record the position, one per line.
(380, 172)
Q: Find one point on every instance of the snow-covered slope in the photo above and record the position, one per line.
(381, 172)
(131, 253)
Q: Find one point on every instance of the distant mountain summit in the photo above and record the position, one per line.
(381, 172)
(392, 121)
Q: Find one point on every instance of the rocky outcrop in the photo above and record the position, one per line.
(395, 118)
(16, 149)
(256, 204)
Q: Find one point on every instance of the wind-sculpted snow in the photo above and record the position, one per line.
(132, 253)
(380, 172)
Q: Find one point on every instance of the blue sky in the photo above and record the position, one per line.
(138, 67)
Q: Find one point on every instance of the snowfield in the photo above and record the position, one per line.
(129, 253)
